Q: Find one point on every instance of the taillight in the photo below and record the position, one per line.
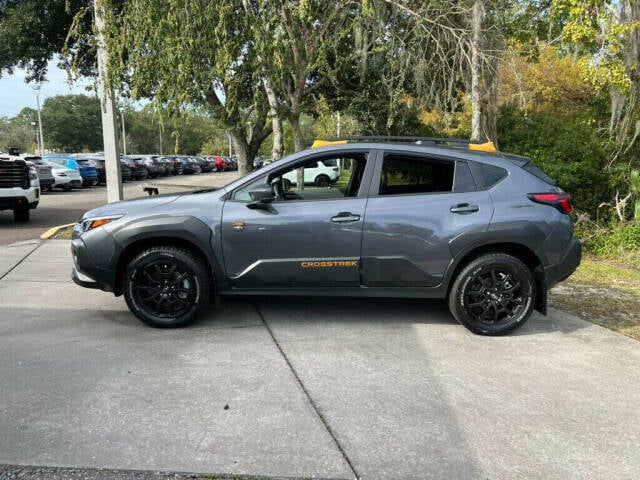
(561, 201)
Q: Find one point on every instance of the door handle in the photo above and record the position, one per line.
(345, 217)
(464, 208)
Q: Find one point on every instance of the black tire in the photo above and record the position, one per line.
(493, 295)
(322, 181)
(166, 287)
(21, 214)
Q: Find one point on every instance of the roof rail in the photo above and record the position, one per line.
(470, 144)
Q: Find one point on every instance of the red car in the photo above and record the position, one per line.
(219, 161)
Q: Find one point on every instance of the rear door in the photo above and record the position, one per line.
(422, 210)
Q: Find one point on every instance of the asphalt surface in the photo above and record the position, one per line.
(301, 388)
(61, 208)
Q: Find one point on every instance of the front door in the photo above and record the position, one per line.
(307, 237)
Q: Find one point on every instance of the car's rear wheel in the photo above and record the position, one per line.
(493, 295)
(166, 287)
(322, 181)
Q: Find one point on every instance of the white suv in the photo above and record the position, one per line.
(321, 173)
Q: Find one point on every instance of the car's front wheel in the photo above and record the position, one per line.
(493, 295)
(166, 287)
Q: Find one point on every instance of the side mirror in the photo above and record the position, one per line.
(261, 197)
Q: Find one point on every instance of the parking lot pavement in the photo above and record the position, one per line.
(13, 254)
(325, 387)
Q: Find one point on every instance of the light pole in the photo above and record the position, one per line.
(36, 89)
(35, 129)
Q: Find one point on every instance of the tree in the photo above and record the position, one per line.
(72, 123)
(34, 31)
(200, 55)
(605, 35)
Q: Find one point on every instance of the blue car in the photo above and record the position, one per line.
(86, 167)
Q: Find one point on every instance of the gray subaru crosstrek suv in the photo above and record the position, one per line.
(490, 232)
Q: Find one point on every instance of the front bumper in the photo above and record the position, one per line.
(84, 280)
(85, 272)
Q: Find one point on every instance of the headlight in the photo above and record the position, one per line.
(91, 223)
(33, 174)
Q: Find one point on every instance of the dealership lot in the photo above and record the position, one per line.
(60, 208)
(305, 387)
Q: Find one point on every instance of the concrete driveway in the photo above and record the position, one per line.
(304, 387)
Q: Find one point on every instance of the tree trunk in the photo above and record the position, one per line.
(476, 70)
(241, 147)
(278, 147)
(294, 120)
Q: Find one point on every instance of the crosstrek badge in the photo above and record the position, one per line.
(329, 264)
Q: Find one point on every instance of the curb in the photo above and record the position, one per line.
(52, 231)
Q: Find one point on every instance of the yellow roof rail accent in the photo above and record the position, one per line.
(488, 147)
(326, 143)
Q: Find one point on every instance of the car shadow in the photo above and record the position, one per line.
(401, 311)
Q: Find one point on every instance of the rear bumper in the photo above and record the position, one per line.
(46, 182)
(89, 180)
(564, 268)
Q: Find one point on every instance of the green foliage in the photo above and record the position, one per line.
(566, 147)
(17, 133)
(611, 240)
(34, 31)
(72, 123)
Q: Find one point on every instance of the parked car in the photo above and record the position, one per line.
(178, 168)
(136, 165)
(218, 162)
(487, 230)
(321, 173)
(125, 171)
(206, 164)
(189, 165)
(86, 166)
(43, 169)
(167, 166)
(231, 163)
(65, 178)
(151, 164)
(19, 186)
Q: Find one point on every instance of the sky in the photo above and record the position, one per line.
(15, 94)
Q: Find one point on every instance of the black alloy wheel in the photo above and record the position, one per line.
(166, 286)
(493, 295)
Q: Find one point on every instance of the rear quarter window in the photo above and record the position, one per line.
(485, 175)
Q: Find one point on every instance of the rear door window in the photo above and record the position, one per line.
(406, 174)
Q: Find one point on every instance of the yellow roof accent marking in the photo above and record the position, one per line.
(483, 147)
(326, 143)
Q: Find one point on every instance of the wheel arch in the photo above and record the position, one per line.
(137, 246)
(519, 251)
